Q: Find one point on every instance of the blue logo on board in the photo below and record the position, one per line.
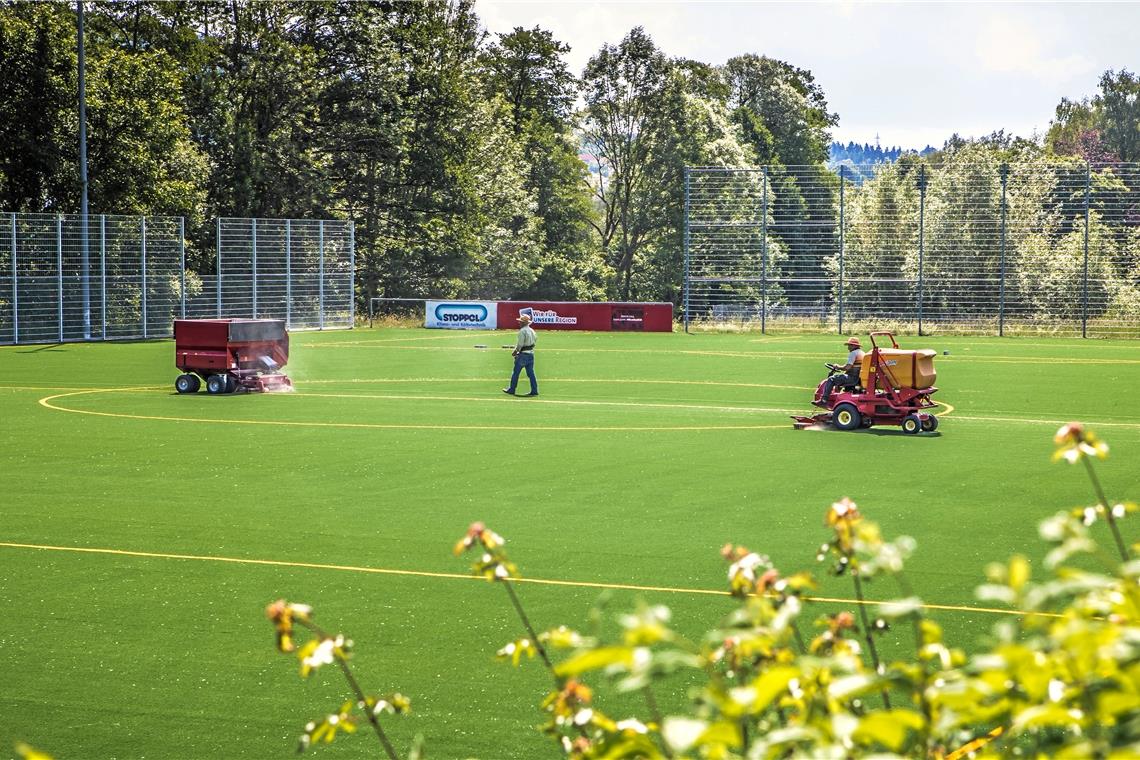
(461, 313)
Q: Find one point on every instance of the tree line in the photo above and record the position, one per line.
(473, 164)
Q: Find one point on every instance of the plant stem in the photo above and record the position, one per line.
(363, 701)
(361, 698)
(530, 629)
(656, 717)
(799, 639)
(1107, 510)
(867, 631)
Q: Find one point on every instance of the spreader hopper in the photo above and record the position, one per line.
(231, 355)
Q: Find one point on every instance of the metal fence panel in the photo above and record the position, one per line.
(67, 278)
(1043, 246)
(299, 270)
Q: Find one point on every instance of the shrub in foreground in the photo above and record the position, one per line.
(1059, 676)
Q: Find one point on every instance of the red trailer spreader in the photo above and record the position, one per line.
(231, 354)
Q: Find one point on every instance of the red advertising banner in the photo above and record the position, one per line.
(577, 315)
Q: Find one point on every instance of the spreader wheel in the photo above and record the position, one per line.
(911, 424)
(216, 384)
(187, 383)
(846, 417)
(930, 424)
(231, 383)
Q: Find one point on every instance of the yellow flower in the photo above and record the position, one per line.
(282, 614)
(1075, 442)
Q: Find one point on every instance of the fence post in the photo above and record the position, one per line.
(1003, 171)
(1085, 277)
(288, 273)
(103, 272)
(85, 260)
(59, 268)
(218, 246)
(685, 294)
(842, 242)
(921, 238)
(144, 310)
(15, 288)
(182, 258)
(764, 258)
(253, 267)
(321, 275)
(352, 272)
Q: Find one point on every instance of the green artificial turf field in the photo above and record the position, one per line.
(143, 533)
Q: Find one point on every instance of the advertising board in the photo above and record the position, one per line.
(461, 315)
(570, 315)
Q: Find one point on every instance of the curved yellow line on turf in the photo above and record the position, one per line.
(47, 402)
(560, 402)
(469, 577)
(608, 380)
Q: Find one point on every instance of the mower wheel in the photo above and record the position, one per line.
(930, 425)
(911, 424)
(187, 383)
(846, 417)
(216, 384)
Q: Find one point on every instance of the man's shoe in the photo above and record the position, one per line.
(820, 404)
(531, 394)
(508, 391)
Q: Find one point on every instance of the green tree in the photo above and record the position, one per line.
(1118, 109)
(526, 69)
(37, 118)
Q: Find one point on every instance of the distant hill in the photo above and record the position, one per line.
(859, 159)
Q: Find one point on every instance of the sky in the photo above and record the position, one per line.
(911, 73)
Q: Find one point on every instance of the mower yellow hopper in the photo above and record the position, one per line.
(907, 369)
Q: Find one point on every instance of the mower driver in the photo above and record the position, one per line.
(850, 376)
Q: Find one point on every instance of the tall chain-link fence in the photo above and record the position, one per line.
(104, 277)
(1043, 246)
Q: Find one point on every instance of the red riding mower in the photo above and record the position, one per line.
(894, 388)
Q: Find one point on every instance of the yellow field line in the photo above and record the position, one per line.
(46, 402)
(502, 399)
(994, 359)
(609, 380)
(408, 397)
(469, 577)
(371, 341)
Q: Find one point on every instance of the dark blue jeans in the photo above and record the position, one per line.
(525, 360)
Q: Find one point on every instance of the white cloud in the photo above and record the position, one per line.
(1029, 45)
(915, 71)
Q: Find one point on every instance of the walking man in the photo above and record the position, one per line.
(524, 357)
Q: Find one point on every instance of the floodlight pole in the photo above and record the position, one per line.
(85, 261)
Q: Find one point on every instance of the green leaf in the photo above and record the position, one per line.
(595, 659)
(770, 685)
(888, 728)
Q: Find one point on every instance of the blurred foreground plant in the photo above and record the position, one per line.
(326, 649)
(1060, 676)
